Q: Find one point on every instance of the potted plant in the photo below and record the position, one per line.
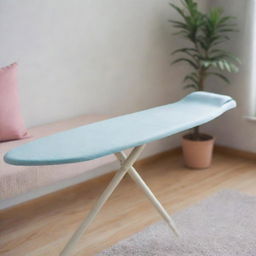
(204, 33)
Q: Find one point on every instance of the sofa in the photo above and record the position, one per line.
(21, 183)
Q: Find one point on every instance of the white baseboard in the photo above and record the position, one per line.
(6, 203)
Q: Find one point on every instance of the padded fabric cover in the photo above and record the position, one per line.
(119, 133)
(16, 180)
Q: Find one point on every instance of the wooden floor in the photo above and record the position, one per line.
(43, 226)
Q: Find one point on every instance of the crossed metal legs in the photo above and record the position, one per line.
(126, 166)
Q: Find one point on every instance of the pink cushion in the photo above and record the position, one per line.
(11, 122)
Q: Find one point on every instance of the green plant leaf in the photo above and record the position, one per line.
(179, 24)
(221, 65)
(205, 63)
(227, 66)
(178, 9)
(191, 86)
(225, 79)
(185, 50)
(234, 68)
(192, 77)
(194, 65)
(188, 51)
(221, 54)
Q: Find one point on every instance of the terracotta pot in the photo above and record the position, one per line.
(197, 154)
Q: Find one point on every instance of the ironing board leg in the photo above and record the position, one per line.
(103, 198)
(136, 177)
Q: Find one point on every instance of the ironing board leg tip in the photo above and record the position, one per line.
(178, 235)
(174, 230)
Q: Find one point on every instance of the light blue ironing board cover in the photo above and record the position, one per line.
(116, 134)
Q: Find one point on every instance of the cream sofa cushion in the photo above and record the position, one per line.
(16, 180)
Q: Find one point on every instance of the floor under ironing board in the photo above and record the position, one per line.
(36, 228)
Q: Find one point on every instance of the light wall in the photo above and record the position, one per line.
(233, 129)
(113, 56)
(78, 57)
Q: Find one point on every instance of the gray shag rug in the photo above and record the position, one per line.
(222, 225)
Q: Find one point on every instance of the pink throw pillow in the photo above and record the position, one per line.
(11, 123)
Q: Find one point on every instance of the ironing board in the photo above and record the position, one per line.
(114, 135)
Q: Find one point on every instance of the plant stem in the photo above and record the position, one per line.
(201, 75)
(196, 133)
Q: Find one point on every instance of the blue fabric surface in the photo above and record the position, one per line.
(113, 135)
